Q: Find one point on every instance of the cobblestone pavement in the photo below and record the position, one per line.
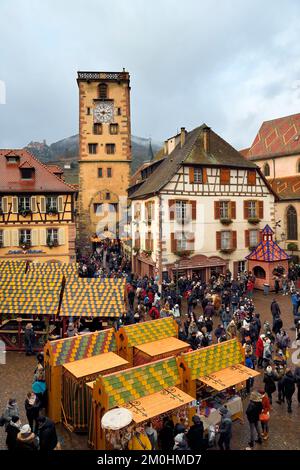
(16, 378)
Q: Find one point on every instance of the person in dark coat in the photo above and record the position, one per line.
(275, 310)
(166, 436)
(253, 411)
(29, 339)
(12, 431)
(26, 440)
(46, 433)
(209, 310)
(297, 380)
(288, 385)
(195, 435)
(269, 381)
(32, 407)
(225, 429)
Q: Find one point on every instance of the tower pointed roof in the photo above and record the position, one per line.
(267, 250)
(150, 151)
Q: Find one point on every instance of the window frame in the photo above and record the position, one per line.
(226, 212)
(100, 172)
(109, 172)
(50, 206)
(181, 211)
(97, 125)
(110, 148)
(28, 237)
(92, 146)
(24, 207)
(53, 236)
(223, 232)
(114, 125)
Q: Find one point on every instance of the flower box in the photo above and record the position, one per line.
(227, 250)
(292, 247)
(226, 221)
(253, 220)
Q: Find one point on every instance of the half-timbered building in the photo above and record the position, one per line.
(198, 208)
(37, 210)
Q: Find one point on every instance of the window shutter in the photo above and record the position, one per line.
(33, 203)
(60, 204)
(233, 209)
(234, 240)
(247, 238)
(204, 175)
(191, 173)
(15, 237)
(15, 206)
(235, 269)
(260, 236)
(191, 241)
(42, 204)
(251, 177)
(43, 236)
(61, 236)
(194, 209)
(218, 240)
(173, 243)
(4, 204)
(224, 176)
(217, 209)
(246, 210)
(171, 209)
(35, 237)
(6, 238)
(261, 209)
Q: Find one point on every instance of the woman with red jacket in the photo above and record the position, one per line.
(265, 414)
(259, 350)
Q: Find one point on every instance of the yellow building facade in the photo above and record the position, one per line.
(37, 211)
(104, 154)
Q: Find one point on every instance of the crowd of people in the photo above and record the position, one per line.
(39, 433)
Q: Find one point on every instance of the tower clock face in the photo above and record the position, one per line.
(104, 112)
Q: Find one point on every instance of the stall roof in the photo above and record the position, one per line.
(157, 403)
(79, 347)
(228, 377)
(94, 299)
(94, 364)
(149, 331)
(162, 346)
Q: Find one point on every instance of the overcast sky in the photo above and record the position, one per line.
(229, 63)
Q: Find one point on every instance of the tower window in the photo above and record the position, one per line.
(107, 196)
(102, 91)
(109, 173)
(88, 111)
(97, 129)
(119, 111)
(93, 148)
(113, 128)
(110, 149)
(267, 169)
(27, 173)
(100, 173)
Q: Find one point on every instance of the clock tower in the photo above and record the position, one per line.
(104, 154)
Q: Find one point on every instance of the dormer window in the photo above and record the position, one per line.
(12, 159)
(27, 173)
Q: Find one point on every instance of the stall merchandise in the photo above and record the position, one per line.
(214, 375)
(59, 352)
(150, 341)
(148, 391)
(75, 375)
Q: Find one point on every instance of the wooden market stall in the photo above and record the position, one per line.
(74, 377)
(150, 341)
(63, 351)
(28, 298)
(148, 391)
(216, 374)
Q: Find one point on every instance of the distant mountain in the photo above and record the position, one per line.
(65, 152)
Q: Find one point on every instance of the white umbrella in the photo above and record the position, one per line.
(116, 419)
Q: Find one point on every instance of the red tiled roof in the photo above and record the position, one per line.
(44, 180)
(268, 250)
(277, 137)
(199, 261)
(55, 169)
(287, 187)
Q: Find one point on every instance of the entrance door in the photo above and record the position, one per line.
(201, 273)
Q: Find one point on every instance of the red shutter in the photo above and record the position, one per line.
(191, 241)
(235, 269)
(260, 236)
(218, 240)
(217, 209)
(247, 239)
(246, 211)
(233, 209)
(261, 209)
(173, 243)
(234, 240)
(224, 176)
(204, 175)
(251, 177)
(191, 173)
(194, 209)
(171, 209)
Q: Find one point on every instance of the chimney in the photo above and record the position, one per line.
(206, 139)
(165, 147)
(182, 136)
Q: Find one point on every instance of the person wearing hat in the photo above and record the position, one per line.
(269, 381)
(71, 330)
(29, 339)
(139, 440)
(27, 440)
(46, 433)
(225, 429)
(11, 410)
(253, 412)
(195, 435)
(180, 442)
(12, 431)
